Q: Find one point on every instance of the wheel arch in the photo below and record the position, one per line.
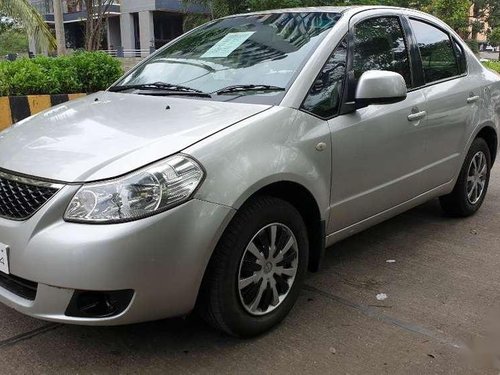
(489, 134)
(303, 200)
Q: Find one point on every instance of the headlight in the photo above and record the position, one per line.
(143, 193)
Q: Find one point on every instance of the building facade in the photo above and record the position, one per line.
(133, 27)
(481, 36)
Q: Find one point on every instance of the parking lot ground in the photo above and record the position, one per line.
(441, 288)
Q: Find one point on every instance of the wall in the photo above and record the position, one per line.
(17, 108)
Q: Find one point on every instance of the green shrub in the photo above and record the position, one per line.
(4, 87)
(493, 65)
(81, 72)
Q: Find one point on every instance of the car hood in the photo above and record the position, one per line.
(108, 134)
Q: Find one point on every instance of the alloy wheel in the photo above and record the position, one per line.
(267, 269)
(476, 177)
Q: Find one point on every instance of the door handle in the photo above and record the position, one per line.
(417, 116)
(472, 99)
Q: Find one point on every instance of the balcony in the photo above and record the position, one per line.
(74, 10)
(45, 7)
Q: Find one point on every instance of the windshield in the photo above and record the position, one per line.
(262, 53)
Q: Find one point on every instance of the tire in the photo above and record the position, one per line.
(221, 303)
(458, 203)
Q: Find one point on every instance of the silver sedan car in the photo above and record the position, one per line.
(213, 175)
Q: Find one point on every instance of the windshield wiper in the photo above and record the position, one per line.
(166, 88)
(192, 63)
(243, 88)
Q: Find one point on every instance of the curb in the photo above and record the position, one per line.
(17, 108)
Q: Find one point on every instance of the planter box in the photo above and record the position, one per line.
(17, 108)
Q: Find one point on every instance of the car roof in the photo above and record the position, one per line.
(322, 9)
(325, 9)
(350, 10)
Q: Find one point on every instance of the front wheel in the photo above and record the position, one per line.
(472, 184)
(255, 274)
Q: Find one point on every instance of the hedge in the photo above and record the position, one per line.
(493, 65)
(81, 72)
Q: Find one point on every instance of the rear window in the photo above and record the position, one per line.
(436, 51)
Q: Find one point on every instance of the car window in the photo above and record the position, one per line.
(253, 49)
(436, 51)
(379, 44)
(461, 60)
(324, 96)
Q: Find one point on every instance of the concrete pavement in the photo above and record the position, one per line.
(489, 55)
(440, 291)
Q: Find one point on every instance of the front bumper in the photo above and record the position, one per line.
(161, 258)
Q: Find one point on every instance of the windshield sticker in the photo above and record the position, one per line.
(228, 44)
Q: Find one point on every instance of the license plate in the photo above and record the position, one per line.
(4, 258)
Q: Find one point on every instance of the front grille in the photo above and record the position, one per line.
(20, 287)
(21, 197)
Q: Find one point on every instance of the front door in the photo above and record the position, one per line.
(377, 150)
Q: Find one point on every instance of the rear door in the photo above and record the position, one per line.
(451, 96)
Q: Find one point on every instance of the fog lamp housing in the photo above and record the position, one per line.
(98, 304)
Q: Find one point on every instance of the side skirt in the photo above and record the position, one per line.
(387, 214)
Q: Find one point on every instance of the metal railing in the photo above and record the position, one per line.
(124, 52)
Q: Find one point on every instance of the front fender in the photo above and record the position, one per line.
(273, 146)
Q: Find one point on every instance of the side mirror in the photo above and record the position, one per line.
(380, 87)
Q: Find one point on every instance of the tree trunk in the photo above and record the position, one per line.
(96, 16)
(59, 25)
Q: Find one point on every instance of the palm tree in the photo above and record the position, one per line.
(23, 12)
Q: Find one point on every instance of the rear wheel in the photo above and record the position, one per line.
(254, 276)
(472, 184)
